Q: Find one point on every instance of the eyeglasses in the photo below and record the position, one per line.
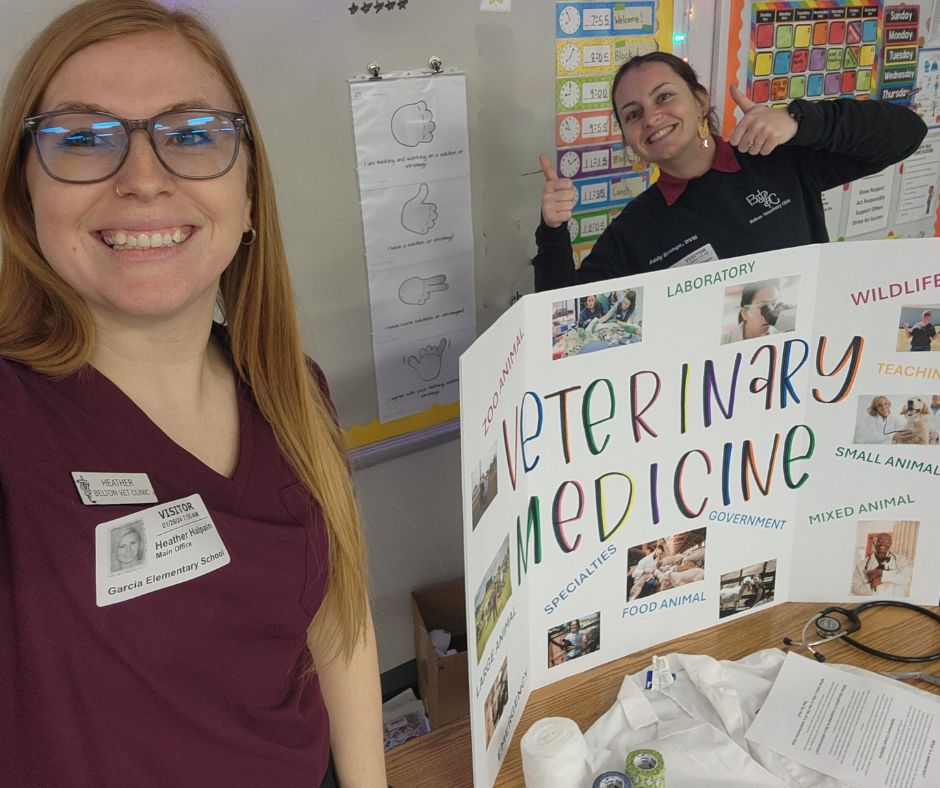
(87, 147)
(759, 305)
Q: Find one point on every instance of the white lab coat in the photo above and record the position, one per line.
(698, 723)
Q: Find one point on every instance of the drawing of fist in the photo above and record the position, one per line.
(412, 124)
(418, 216)
(417, 291)
(428, 361)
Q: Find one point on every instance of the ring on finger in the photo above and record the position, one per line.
(751, 142)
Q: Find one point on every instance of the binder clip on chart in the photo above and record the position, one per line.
(435, 66)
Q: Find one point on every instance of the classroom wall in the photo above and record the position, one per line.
(414, 532)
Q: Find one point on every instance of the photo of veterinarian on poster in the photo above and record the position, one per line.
(884, 558)
(897, 419)
(597, 322)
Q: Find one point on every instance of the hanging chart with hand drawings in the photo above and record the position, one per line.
(414, 187)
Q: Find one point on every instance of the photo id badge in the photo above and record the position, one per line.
(155, 548)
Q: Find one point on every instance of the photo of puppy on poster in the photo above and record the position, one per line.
(905, 418)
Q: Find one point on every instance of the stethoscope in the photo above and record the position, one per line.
(830, 628)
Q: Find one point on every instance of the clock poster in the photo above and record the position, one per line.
(592, 41)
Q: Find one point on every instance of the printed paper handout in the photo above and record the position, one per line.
(864, 729)
(645, 457)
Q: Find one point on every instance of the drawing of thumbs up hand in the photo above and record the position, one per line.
(428, 361)
(412, 124)
(417, 291)
(417, 215)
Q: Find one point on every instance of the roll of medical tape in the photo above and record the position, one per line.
(612, 780)
(646, 769)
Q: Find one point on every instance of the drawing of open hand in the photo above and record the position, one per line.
(428, 361)
(418, 216)
(417, 291)
(412, 124)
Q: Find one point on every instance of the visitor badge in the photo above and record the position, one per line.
(110, 489)
(155, 548)
(703, 254)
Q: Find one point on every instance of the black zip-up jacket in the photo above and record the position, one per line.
(773, 202)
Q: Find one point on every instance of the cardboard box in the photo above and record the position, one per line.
(443, 681)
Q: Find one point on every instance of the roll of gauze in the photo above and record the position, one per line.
(555, 755)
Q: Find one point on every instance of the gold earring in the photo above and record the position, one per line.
(636, 163)
(703, 132)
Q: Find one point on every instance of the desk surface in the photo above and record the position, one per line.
(442, 757)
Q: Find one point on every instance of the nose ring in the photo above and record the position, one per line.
(118, 192)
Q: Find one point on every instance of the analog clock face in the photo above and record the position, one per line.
(570, 164)
(570, 94)
(569, 20)
(569, 128)
(573, 228)
(570, 57)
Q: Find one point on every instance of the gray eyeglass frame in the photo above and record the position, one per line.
(238, 119)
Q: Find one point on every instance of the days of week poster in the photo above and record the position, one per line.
(746, 432)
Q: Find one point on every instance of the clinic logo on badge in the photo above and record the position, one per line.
(763, 197)
(85, 486)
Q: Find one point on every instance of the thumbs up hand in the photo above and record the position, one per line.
(418, 214)
(762, 128)
(558, 195)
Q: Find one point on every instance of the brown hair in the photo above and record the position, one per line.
(682, 69)
(750, 291)
(46, 325)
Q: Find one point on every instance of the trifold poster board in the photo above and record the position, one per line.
(631, 480)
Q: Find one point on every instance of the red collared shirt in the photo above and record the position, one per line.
(725, 161)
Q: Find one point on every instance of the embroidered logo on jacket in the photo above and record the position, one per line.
(763, 197)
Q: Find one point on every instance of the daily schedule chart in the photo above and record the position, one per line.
(592, 40)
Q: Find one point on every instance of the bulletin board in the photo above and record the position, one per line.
(817, 50)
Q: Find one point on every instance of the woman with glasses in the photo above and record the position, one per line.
(136, 204)
(759, 190)
(756, 299)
